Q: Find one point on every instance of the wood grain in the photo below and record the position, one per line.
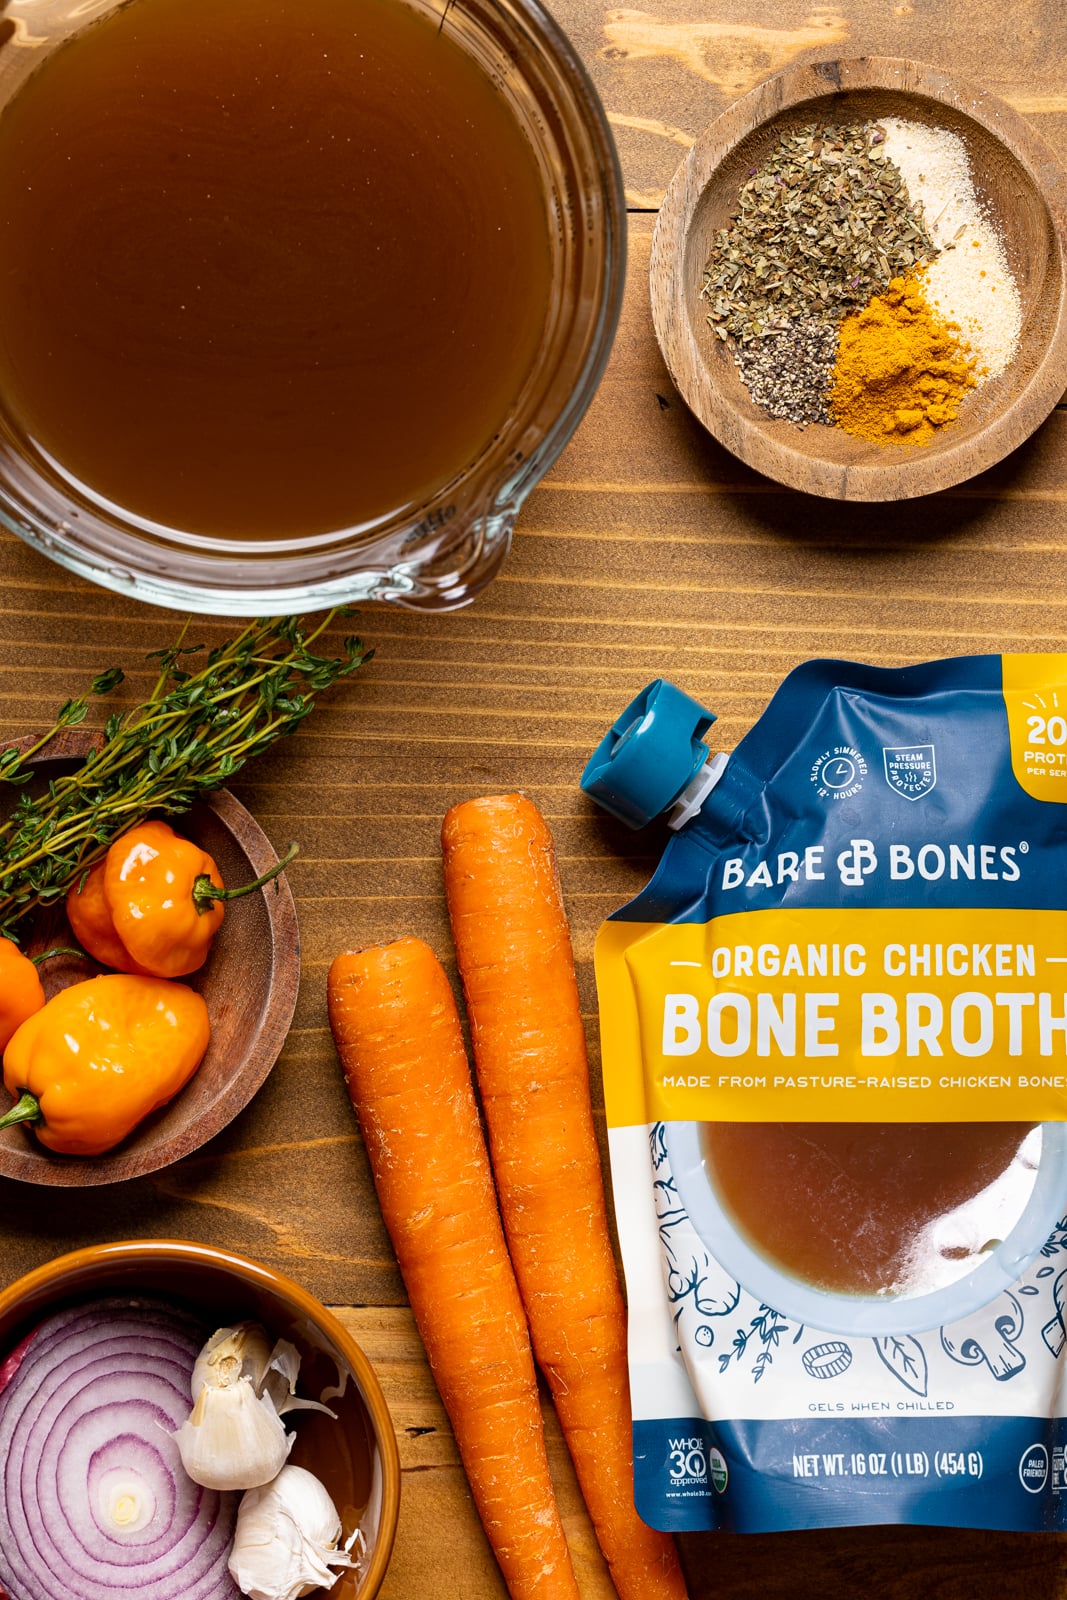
(666, 68)
(650, 550)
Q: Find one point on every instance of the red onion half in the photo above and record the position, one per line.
(94, 1501)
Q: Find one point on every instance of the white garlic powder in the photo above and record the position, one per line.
(970, 281)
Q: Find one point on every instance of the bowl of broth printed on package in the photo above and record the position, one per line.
(301, 299)
(872, 1228)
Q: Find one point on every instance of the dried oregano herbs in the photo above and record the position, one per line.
(821, 226)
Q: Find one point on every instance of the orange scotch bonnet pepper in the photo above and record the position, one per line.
(100, 1056)
(91, 922)
(20, 990)
(155, 903)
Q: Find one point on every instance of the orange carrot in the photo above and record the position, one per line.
(513, 942)
(401, 1047)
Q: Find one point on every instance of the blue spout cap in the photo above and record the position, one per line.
(653, 752)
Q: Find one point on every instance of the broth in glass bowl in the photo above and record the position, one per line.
(301, 300)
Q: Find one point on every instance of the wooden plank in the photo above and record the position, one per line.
(648, 551)
(457, 1562)
(664, 70)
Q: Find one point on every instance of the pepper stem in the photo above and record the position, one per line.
(28, 1109)
(205, 893)
(57, 950)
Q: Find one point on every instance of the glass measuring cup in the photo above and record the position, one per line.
(436, 554)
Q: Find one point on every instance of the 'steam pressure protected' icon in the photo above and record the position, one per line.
(910, 769)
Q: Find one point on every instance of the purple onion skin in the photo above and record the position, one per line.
(8, 1368)
(88, 1401)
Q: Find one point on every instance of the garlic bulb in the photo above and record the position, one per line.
(234, 1437)
(287, 1540)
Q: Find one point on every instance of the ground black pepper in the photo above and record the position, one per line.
(789, 371)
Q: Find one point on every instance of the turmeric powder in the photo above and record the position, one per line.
(901, 371)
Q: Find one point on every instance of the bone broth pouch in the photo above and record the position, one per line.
(834, 1032)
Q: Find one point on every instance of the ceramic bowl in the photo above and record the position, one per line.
(355, 1456)
(874, 1315)
(249, 983)
(1024, 191)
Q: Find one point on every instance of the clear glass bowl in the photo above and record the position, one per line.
(442, 553)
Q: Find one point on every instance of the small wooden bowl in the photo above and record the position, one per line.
(249, 982)
(1024, 190)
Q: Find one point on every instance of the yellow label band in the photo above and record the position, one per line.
(1035, 693)
(833, 1015)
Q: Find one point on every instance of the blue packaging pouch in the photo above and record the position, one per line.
(834, 1034)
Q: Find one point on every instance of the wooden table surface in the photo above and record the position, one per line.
(648, 551)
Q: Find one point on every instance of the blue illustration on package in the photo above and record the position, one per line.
(834, 1031)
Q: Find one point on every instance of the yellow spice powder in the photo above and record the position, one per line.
(901, 370)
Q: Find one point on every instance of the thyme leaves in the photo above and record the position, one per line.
(204, 719)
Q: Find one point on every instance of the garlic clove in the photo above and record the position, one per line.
(287, 1539)
(233, 1438)
(241, 1385)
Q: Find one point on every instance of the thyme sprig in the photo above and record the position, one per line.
(197, 729)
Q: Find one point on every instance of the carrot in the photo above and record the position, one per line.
(401, 1048)
(513, 943)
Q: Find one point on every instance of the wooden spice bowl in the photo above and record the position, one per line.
(249, 984)
(1023, 190)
